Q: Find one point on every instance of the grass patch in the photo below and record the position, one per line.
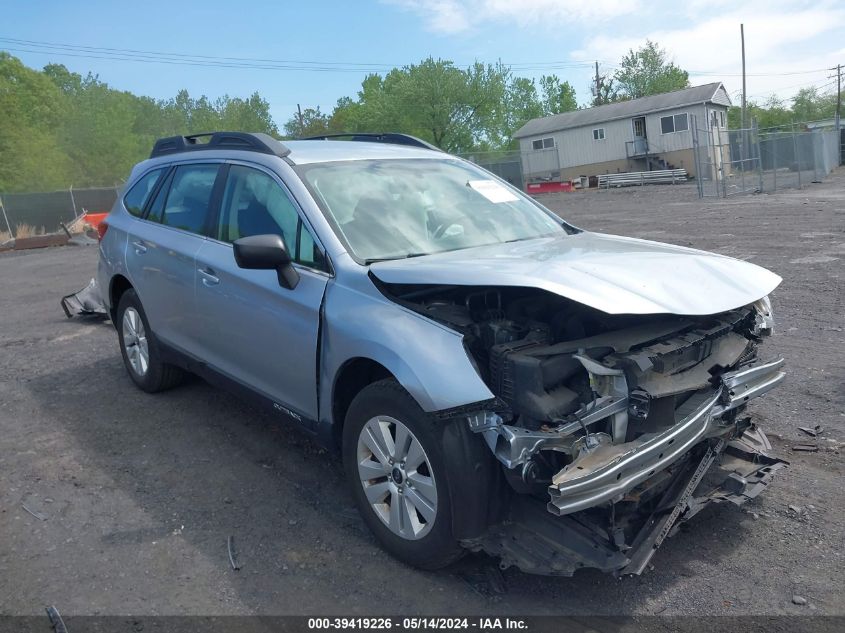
(27, 230)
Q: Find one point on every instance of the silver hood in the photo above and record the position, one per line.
(617, 275)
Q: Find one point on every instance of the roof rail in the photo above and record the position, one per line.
(395, 138)
(246, 141)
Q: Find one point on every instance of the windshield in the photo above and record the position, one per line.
(390, 209)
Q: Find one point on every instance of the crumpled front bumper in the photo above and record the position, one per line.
(607, 471)
(537, 542)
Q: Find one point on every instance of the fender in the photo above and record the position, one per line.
(428, 359)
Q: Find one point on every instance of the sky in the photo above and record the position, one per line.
(314, 52)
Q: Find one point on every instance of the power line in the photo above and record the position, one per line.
(801, 85)
(786, 74)
(147, 56)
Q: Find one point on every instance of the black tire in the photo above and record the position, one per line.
(438, 547)
(159, 375)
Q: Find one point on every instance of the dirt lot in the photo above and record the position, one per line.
(139, 493)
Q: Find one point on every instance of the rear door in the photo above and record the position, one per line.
(253, 330)
(161, 250)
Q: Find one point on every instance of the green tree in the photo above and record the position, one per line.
(648, 71)
(608, 91)
(558, 96)
(457, 110)
(521, 104)
(809, 105)
(32, 109)
(313, 123)
(245, 115)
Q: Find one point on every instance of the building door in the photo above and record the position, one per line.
(640, 144)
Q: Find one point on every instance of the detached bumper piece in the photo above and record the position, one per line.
(86, 302)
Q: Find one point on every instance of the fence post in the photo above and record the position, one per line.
(756, 135)
(6, 217)
(72, 201)
(775, 143)
(720, 170)
(696, 159)
(797, 157)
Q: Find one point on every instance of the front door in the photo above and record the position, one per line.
(640, 138)
(253, 330)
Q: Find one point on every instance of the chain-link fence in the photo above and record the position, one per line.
(520, 168)
(750, 160)
(47, 210)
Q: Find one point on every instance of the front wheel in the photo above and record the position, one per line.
(394, 458)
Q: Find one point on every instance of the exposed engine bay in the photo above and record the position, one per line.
(616, 422)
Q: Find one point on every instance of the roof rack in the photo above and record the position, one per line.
(246, 141)
(395, 138)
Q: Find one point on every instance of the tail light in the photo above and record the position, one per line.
(102, 227)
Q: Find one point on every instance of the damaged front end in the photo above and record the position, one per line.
(611, 429)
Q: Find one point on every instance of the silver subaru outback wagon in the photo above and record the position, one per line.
(494, 378)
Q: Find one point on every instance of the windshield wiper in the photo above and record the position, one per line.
(374, 260)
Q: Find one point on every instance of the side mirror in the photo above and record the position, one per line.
(266, 252)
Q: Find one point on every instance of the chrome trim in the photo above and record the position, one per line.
(579, 486)
(743, 385)
(601, 474)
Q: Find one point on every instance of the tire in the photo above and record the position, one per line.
(140, 351)
(410, 515)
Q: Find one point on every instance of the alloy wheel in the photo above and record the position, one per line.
(397, 477)
(135, 341)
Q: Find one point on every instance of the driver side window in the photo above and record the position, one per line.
(255, 204)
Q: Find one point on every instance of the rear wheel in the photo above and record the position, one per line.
(394, 458)
(140, 351)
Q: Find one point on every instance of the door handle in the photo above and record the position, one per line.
(208, 277)
(140, 247)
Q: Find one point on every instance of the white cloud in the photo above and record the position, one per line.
(456, 16)
(702, 36)
(779, 40)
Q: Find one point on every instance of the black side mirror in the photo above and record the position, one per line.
(266, 252)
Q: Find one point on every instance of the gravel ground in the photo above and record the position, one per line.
(137, 494)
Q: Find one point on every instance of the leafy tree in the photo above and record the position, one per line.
(521, 104)
(809, 105)
(31, 110)
(608, 91)
(772, 113)
(558, 96)
(455, 109)
(313, 123)
(648, 71)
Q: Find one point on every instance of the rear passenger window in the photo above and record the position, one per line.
(137, 196)
(187, 203)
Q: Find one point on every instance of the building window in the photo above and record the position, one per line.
(543, 143)
(598, 134)
(721, 118)
(676, 123)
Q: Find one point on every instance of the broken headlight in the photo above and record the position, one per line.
(765, 323)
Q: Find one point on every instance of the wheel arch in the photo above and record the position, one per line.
(355, 374)
(118, 285)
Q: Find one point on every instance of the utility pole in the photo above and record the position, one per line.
(598, 85)
(299, 114)
(742, 37)
(838, 95)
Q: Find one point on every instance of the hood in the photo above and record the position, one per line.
(617, 275)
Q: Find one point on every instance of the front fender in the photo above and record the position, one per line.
(428, 359)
